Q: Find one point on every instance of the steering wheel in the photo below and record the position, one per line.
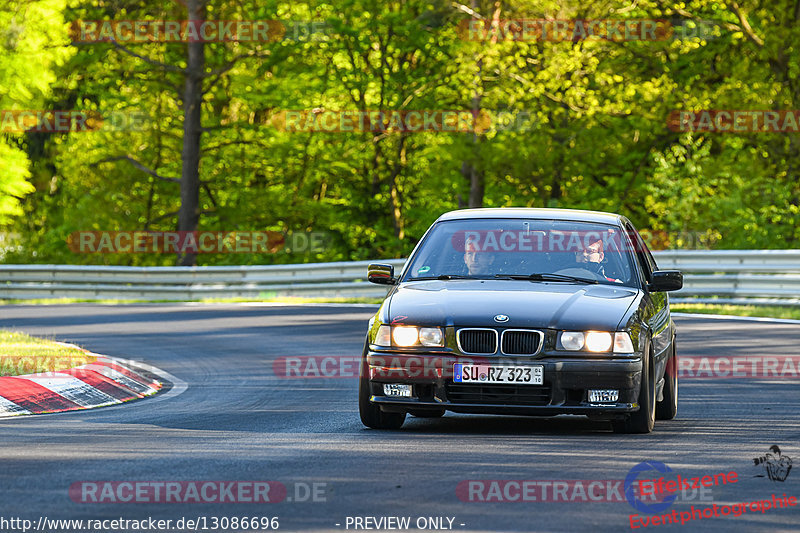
(580, 273)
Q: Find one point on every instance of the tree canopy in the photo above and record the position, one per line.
(226, 135)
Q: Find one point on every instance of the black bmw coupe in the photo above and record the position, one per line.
(524, 312)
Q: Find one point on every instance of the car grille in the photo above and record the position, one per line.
(477, 341)
(483, 341)
(498, 394)
(521, 342)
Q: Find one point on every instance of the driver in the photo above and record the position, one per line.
(478, 263)
(591, 259)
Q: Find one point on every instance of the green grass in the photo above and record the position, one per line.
(769, 311)
(23, 354)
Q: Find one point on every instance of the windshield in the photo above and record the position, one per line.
(539, 250)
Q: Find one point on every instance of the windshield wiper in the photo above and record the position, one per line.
(545, 276)
(443, 277)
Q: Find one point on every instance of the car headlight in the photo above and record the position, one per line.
(572, 340)
(598, 341)
(431, 337)
(595, 341)
(384, 336)
(622, 342)
(406, 336)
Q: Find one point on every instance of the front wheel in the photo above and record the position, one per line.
(643, 420)
(667, 408)
(371, 414)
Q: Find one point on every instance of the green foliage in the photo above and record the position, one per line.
(595, 136)
(32, 39)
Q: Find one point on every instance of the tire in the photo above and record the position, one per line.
(371, 414)
(430, 413)
(667, 408)
(643, 420)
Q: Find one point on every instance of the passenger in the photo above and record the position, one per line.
(591, 259)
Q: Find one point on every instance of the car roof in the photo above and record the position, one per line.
(534, 213)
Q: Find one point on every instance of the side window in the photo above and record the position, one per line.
(645, 259)
(651, 261)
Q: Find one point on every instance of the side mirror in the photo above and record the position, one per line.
(381, 274)
(666, 280)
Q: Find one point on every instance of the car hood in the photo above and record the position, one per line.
(527, 304)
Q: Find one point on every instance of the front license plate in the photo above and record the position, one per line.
(512, 375)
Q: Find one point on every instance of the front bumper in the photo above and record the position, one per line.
(564, 391)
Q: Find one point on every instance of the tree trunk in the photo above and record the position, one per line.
(397, 212)
(468, 170)
(472, 174)
(476, 187)
(189, 214)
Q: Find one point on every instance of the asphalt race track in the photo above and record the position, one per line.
(237, 420)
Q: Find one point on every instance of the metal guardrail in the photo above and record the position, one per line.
(185, 284)
(749, 277)
(729, 276)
